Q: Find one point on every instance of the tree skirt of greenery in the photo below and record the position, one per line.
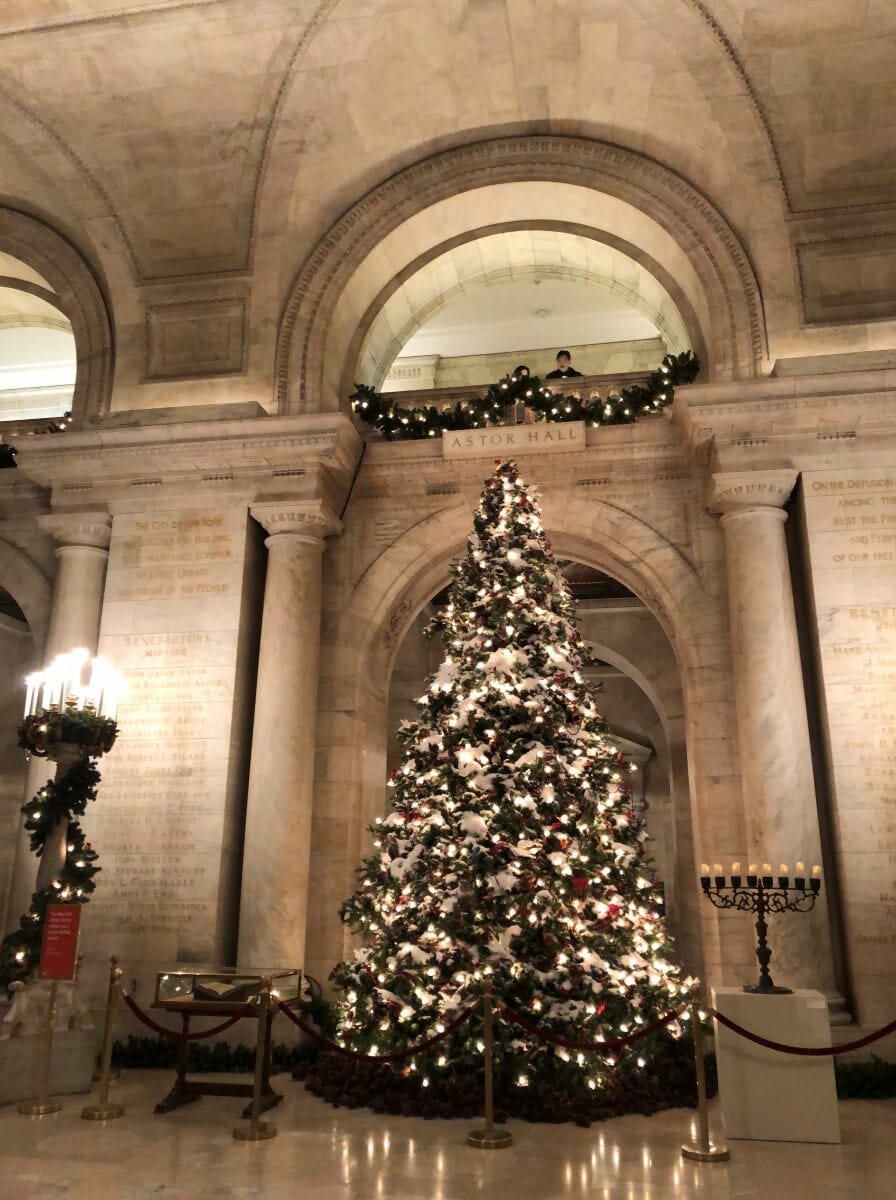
(552, 1096)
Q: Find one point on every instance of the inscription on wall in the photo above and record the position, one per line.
(164, 823)
(515, 439)
(851, 520)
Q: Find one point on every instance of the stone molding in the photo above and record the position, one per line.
(740, 491)
(91, 529)
(252, 453)
(310, 520)
(737, 341)
(196, 338)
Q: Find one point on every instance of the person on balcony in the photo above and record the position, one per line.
(565, 369)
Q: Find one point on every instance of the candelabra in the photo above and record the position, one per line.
(760, 894)
(70, 722)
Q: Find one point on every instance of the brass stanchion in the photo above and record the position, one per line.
(704, 1150)
(489, 1138)
(257, 1130)
(104, 1111)
(42, 1107)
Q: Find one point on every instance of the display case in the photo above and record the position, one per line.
(230, 992)
(220, 991)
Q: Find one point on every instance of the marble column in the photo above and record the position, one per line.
(773, 731)
(81, 554)
(276, 850)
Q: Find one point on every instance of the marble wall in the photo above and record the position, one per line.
(180, 620)
(851, 525)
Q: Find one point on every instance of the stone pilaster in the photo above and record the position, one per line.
(274, 899)
(773, 731)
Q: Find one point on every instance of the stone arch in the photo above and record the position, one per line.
(383, 604)
(681, 333)
(78, 295)
(614, 185)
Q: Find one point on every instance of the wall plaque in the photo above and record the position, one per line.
(513, 439)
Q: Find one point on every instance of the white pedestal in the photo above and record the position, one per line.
(766, 1095)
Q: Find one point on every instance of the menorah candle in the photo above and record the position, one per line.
(815, 881)
(784, 875)
(704, 876)
(767, 875)
(735, 874)
(752, 875)
(799, 876)
(719, 874)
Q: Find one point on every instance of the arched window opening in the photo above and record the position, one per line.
(38, 360)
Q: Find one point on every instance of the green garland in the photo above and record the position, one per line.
(395, 420)
(59, 800)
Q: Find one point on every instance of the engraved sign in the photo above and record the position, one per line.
(173, 624)
(514, 439)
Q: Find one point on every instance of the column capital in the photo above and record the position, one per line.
(739, 491)
(311, 520)
(93, 529)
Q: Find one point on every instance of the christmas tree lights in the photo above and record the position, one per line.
(511, 854)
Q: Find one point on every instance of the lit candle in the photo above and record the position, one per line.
(719, 874)
(735, 874)
(815, 881)
(784, 875)
(816, 872)
(767, 875)
(751, 875)
(799, 876)
(704, 876)
(31, 682)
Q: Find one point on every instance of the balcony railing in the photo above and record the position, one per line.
(588, 385)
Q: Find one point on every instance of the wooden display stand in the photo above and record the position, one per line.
(192, 1003)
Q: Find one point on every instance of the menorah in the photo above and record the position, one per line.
(760, 894)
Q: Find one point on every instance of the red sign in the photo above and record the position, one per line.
(59, 949)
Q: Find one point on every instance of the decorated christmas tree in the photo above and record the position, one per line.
(511, 856)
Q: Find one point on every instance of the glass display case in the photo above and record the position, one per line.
(231, 992)
(228, 986)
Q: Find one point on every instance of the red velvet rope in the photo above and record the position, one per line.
(183, 1037)
(807, 1051)
(396, 1056)
(594, 1047)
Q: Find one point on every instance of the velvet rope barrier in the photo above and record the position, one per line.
(591, 1047)
(396, 1056)
(183, 1037)
(807, 1051)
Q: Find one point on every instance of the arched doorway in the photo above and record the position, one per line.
(388, 570)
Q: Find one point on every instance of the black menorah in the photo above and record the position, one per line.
(761, 894)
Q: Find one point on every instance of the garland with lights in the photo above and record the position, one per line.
(511, 855)
(8, 452)
(63, 799)
(395, 420)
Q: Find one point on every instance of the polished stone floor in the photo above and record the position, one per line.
(326, 1154)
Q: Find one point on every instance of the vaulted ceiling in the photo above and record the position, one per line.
(200, 144)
